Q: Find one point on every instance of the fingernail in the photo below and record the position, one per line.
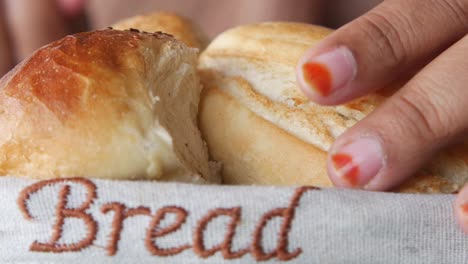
(464, 208)
(357, 163)
(460, 206)
(328, 72)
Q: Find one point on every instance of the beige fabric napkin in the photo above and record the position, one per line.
(98, 221)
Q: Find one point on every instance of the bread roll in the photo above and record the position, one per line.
(108, 104)
(262, 128)
(180, 27)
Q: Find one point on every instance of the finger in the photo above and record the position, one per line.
(5, 52)
(372, 51)
(424, 116)
(33, 24)
(460, 207)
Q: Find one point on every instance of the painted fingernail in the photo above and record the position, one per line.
(328, 72)
(464, 208)
(357, 163)
(460, 206)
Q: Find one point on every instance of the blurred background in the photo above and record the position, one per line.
(26, 25)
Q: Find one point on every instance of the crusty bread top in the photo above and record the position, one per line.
(180, 27)
(109, 104)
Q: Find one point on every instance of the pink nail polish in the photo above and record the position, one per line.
(328, 72)
(357, 163)
(460, 206)
(462, 217)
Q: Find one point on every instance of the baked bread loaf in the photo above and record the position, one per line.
(180, 27)
(262, 128)
(107, 104)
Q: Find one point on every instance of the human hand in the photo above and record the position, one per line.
(26, 25)
(427, 114)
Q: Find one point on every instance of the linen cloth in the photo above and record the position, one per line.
(42, 222)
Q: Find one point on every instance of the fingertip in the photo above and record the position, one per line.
(460, 207)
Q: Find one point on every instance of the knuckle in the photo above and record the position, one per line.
(386, 31)
(426, 117)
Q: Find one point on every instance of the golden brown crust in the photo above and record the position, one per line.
(61, 64)
(104, 104)
(180, 27)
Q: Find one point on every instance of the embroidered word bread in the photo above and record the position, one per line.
(258, 123)
(180, 27)
(107, 104)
